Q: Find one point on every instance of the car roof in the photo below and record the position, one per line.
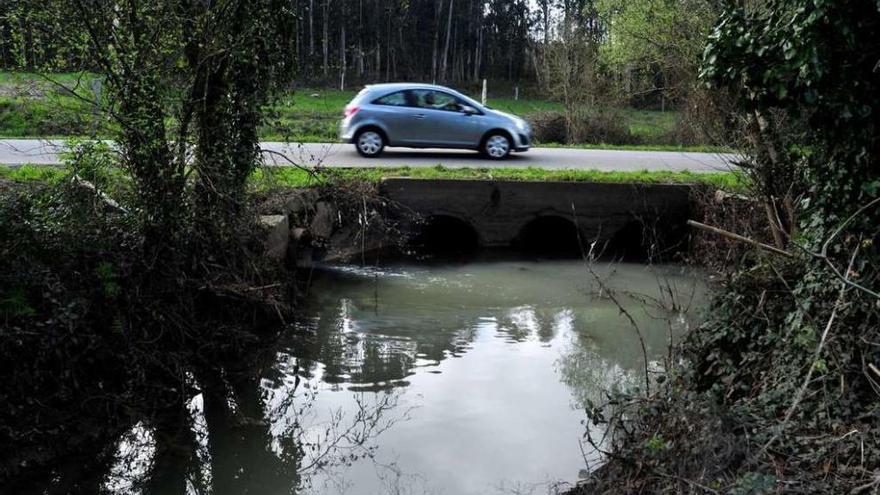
(399, 86)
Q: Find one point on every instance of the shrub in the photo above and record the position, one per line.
(68, 117)
(592, 125)
(589, 125)
(549, 127)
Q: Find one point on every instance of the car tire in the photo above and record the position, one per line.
(496, 146)
(369, 143)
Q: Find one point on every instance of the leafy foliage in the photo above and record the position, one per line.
(659, 37)
(122, 290)
(789, 352)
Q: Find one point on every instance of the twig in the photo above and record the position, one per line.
(80, 182)
(588, 264)
(311, 171)
(690, 482)
(270, 286)
(737, 237)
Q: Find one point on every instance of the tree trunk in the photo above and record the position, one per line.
(326, 26)
(311, 27)
(545, 8)
(438, 5)
(388, 52)
(342, 55)
(478, 53)
(443, 67)
(360, 49)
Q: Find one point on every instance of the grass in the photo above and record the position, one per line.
(293, 177)
(69, 79)
(272, 177)
(53, 115)
(33, 173)
(305, 115)
(649, 125)
(700, 148)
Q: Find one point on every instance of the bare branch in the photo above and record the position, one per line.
(737, 237)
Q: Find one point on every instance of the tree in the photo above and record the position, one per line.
(656, 41)
(806, 370)
(187, 84)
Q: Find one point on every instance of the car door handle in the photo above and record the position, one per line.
(419, 116)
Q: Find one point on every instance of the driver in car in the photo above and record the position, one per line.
(431, 102)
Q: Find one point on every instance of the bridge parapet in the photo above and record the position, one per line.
(501, 212)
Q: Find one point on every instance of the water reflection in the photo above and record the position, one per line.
(499, 359)
(451, 379)
(220, 443)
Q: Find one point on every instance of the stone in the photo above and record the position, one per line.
(299, 234)
(277, 235)
(324, 220)
(297, 205)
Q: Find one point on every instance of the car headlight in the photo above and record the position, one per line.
(522, 125)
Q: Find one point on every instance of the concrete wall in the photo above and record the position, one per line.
(499, 210)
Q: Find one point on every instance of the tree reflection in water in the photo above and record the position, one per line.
(245, 434)
(254, 421)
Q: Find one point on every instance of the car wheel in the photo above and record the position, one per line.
(497, 146)
(369, 143)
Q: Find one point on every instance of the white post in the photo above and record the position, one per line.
(97, 85)
(483, 100)
(516, 92)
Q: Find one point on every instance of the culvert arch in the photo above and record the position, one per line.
(553, 235)
(446, 234)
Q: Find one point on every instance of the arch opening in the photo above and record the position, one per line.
(445, 235)
(629, 243)
(655, 239)
(549, 236)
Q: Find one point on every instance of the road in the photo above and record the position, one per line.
(46, 152)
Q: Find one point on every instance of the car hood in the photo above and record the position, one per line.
(498, 113)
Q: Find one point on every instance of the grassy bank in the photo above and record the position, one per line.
(701, 148)
(34, 106)
(267, 178)
(293, 177)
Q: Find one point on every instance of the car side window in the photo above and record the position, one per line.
(394, 99)
(438, 100)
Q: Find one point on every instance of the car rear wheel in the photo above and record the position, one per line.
(369, 143)
(497, 146)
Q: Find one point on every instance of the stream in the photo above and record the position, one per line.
(481, 370)
(435, 378)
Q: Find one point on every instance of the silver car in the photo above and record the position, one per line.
(429, 116)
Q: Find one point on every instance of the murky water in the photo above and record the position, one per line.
(423, 379)
(469, 378)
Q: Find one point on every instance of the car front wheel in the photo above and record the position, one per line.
(369, 143)
(497, 146)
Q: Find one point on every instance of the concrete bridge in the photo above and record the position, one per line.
(542, 216)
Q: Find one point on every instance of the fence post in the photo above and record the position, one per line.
(96, 85)
(483, 101)
(516, 92)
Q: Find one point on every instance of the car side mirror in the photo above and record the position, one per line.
(468, 110)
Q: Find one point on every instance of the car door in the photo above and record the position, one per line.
(443, 123)
(400, 116)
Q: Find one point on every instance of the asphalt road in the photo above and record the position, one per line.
(46, 152)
